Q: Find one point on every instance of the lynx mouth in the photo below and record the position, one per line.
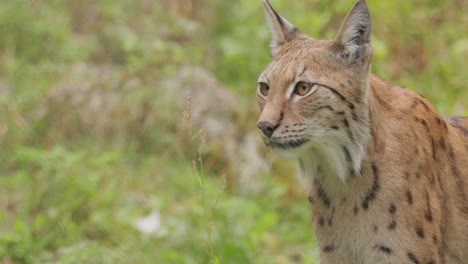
(297, 143)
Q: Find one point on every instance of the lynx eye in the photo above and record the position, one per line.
(303, 88)
(264, 88)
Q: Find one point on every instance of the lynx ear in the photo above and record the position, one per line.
(353, 38)
(282, 30)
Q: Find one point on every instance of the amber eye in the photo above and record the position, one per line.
(264, 88)
(303, 88)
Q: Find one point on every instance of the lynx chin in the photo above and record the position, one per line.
(388, 174)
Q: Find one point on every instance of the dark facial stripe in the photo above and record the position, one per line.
(324, 107)
(342, 97)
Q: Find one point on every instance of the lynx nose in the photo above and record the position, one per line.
(267, 128)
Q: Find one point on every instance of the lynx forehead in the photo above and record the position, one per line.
(384, 167)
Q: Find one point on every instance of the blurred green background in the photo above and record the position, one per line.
(101, 161)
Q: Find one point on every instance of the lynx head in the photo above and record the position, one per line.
(313, 94)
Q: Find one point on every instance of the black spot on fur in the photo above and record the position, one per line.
(392, 225)
(322, 194)
(424, 123)
(356, 210)
(310, 199)
(409, 197)
(428, 213)
(413, 258)
(350, 135)
(346, 123)
(420, 232)
(434, 239)
(375, 228)
(356, 118)
(392, 209)
(335, 127)
(384, 249)
(443, 144)
(321, 221)
(328, 248)
(330, 222)
(433, 149)
(371, 193)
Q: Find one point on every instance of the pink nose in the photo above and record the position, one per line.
(267, 128)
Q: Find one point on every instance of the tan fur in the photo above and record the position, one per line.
(388, 174)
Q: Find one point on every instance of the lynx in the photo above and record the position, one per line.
(388, 174)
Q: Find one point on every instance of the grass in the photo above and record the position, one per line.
(89, 146)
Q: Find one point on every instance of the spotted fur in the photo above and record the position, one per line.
(388, 175)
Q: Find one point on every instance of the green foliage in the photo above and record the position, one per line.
(418, 44)
(71, 191)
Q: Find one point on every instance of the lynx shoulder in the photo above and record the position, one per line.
(388, 174)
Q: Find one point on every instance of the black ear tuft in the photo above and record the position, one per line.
(281, 29)
(353, 37)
